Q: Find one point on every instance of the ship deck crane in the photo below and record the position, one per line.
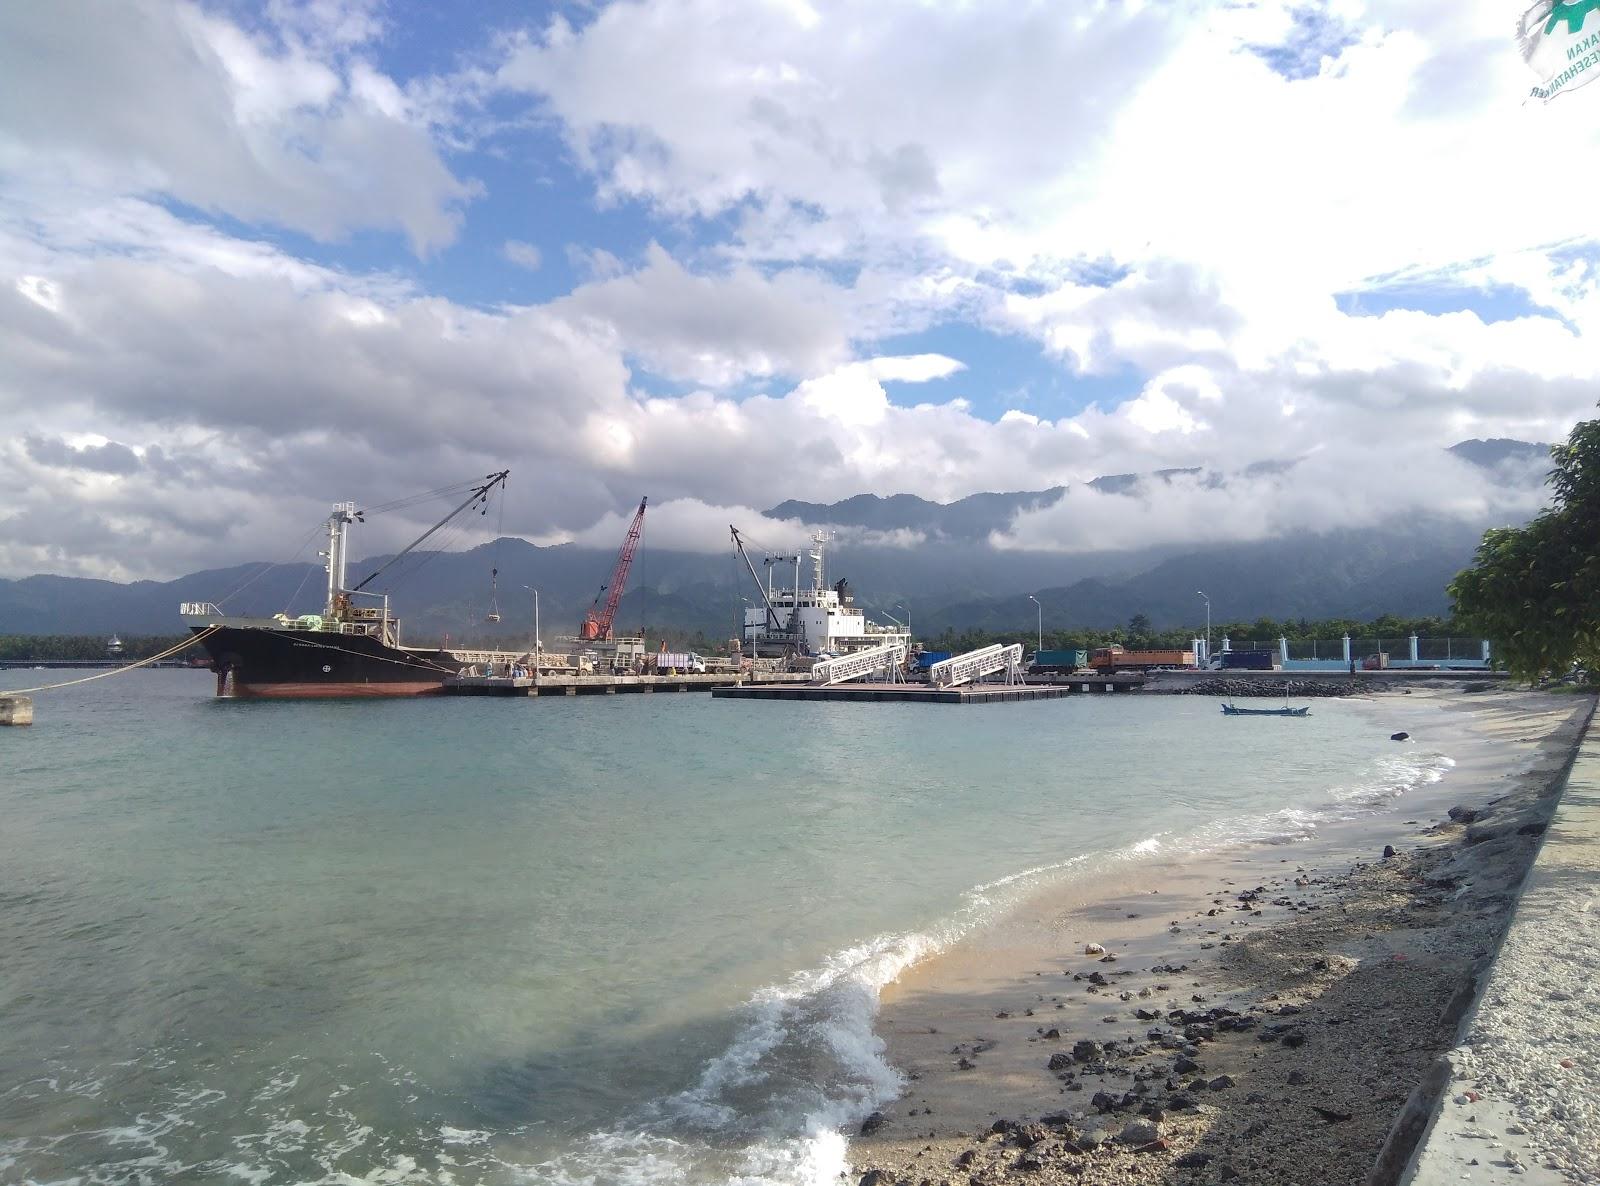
(597, 622)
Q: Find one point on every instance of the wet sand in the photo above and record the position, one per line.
(1254, 1015)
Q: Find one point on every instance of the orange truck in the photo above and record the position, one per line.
(1116, 658)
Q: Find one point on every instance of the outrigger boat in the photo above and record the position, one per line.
(1229, 710)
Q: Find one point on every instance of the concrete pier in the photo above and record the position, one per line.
(16, 710)
(606, 685)
(860, 692)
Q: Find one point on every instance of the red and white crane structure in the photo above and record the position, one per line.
(597, 622)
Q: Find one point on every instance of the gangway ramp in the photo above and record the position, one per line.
(881, 660)
(976, 665)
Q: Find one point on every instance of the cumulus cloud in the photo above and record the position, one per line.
(167, 98)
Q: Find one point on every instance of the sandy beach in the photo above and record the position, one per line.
(1256, 1014)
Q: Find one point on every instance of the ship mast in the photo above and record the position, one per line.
(819, 541)
(344, 514)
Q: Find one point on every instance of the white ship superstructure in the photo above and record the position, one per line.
(815, 620)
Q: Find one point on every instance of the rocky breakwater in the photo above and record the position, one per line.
(1231, 687)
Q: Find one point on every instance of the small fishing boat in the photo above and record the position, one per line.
(1229, 710)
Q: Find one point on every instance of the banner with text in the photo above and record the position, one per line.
(1561, 44)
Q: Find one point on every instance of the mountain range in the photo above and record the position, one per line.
(950, 578)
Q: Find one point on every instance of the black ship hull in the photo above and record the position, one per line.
(256, 663)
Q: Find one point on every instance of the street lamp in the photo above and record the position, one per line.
(1035, 601)
(907, 608)
(538, 643)
(1197, 593)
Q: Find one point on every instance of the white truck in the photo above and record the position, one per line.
(680, 662)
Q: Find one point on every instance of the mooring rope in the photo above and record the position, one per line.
(184, 645)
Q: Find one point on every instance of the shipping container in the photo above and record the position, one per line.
(1249, 660)
(1115, 658)
(926, 659)
(1062, 660)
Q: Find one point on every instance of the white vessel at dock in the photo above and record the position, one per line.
(815, 620)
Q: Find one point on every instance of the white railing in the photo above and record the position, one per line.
(975, 665)
(874, 661)
(198, 609)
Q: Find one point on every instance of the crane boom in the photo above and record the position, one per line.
(597, 623)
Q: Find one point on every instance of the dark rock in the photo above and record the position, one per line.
(1184, 1065)
(1052, 1034)
(1193, 1161)
(1388, 851)
(966, 1158)
(1332, 1117)
(1084, 1051)
(1294, 1038)
(1296, 1079)
(1029, 1135)
(1464, 815)
(1181, 1103)
(1059, 1061)
(1221, 1083)
(878, 1178)
(1102, 1102)
(1402, 736)
(1227, 1173)
(873, 1123)
(1002, 1126)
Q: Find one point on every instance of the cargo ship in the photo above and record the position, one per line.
(350, 649)
(821, 621)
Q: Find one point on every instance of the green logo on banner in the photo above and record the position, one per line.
(1574, 14)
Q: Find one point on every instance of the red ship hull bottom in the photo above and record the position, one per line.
(328, 691)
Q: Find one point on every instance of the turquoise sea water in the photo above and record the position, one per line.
(592, 939)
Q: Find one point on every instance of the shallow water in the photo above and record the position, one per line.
(581, 939)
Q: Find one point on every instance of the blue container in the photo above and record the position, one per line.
(928, 658)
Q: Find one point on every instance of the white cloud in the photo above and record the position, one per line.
(524, 255)
(165, 98)
(1332, 490)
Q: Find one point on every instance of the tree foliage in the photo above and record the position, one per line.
(25, 648)
(1534, 591)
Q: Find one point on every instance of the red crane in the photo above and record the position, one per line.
(597, 623)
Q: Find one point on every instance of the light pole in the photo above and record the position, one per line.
(538, 643)
(907, 608)
(1197, 593)
(1040, 608)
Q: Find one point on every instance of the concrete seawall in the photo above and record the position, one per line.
(16, 710)
(1519, 1095)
